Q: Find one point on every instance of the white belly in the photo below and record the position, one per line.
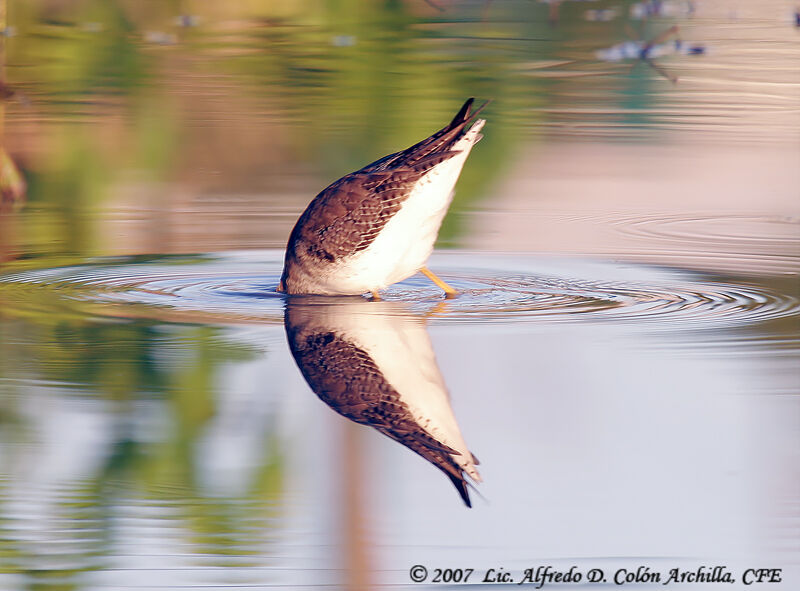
(406, 241)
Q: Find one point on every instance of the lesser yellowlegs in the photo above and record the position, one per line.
(376, 226)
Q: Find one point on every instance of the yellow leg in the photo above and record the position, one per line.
(449, 291)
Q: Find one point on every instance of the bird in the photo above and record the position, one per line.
(378, 368)
(377, 226)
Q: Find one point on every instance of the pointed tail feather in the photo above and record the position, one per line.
(463, 112)
(466, 113)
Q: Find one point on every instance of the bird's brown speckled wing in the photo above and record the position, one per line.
(347, 215)
(346, 378)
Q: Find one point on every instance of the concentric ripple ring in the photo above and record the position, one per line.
(237, 287)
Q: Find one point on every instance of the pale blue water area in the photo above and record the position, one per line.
(622, 358)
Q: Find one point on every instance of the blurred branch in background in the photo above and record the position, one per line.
(12, 184)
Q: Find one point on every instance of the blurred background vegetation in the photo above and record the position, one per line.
(166, 126)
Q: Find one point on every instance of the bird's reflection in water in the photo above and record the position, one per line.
(373, 363)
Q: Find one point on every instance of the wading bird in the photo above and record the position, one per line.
(377, 226)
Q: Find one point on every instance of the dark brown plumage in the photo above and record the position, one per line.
(346, 217)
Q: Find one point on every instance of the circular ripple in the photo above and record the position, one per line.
(767, 242)
(667, 300)
(731, 229)
(493, 288)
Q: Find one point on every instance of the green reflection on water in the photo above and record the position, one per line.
(117, 366)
